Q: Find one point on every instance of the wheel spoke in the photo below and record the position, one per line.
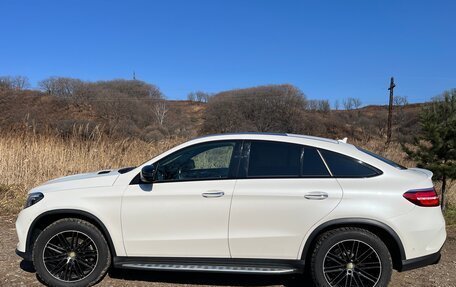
(78, 271)
(356, 281)
(86, 243)
(59, 266)
(355, 248)
(335, 259)
(85, 263)
(55, 258)
(369, 265)
(366, 275)
(365, 255)
(344, 251)
(335, 268)
(55, 248)
(63, 242)
(88, 253)
(338, 278)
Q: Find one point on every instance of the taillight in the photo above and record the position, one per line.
(423, 197)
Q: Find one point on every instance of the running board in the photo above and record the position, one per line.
(216, 265)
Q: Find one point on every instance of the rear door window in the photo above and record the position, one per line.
(274, 159)
(312, 164)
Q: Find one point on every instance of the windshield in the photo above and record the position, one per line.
(385, 160)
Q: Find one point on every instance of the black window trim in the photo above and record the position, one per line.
(233, 168)
(241, 157)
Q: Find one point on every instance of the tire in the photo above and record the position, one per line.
(71, 252)
(350, 257)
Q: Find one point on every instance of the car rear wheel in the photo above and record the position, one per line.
(71, 252)
(350, 257)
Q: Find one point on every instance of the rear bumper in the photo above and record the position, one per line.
(419, 262)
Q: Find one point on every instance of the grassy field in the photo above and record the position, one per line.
(27, 160)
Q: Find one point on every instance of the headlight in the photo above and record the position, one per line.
(33, 198)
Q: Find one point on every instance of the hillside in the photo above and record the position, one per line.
(139, 117)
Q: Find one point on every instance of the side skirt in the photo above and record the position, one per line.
(219, 265)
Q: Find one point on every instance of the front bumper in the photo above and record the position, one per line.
(419, 262)
(27, 256)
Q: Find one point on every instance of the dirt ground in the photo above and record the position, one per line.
(15, 272)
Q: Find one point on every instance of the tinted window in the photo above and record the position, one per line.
(274, 159)
(203, 161)
(312, 165)
(344, 166)
(385, 160)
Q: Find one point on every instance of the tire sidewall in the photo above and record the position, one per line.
(368, 238)
(88, 229)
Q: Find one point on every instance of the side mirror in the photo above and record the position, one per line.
(147, 173)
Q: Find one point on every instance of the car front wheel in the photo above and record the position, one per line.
(71, 252)
(351, 257)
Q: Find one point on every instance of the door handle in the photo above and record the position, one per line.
(316, 195)
(211, 194)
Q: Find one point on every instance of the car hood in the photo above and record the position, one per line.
(77, 181)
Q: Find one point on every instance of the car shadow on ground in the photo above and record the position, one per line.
(216, 279)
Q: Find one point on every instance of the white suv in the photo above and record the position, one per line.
(245, 203)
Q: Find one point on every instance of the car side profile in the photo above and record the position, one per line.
(241, 203)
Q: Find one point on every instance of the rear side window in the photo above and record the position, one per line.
(312, 165)
(344, 166)
(274, 159)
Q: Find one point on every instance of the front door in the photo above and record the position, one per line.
(185, 211)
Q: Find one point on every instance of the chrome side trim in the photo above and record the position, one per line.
(209, 268)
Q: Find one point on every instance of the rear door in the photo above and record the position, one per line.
(283, 189)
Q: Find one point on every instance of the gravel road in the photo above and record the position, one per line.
(15, 272)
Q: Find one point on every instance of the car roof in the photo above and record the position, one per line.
(265, 136)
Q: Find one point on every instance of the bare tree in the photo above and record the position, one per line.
(348, 105)
(352, 103)
(272, 108)
(199, 96)
(318, 106)
(5, 83)
(191, 97)
(356, 103)
(21, 83)
(14, 83)
(160, 110)
(60, 86)
(336, 105)
(400, 101)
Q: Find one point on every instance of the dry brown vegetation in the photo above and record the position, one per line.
(28, 160)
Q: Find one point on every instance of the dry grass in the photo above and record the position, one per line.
(27, 160)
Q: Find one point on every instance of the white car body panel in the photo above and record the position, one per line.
(264, 203)
(173, 219)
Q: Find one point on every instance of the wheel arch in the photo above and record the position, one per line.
(382, 230)
(48, 217)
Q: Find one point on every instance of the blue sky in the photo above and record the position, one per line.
(329, 49)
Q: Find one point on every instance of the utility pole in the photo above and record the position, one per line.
(390, 110)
